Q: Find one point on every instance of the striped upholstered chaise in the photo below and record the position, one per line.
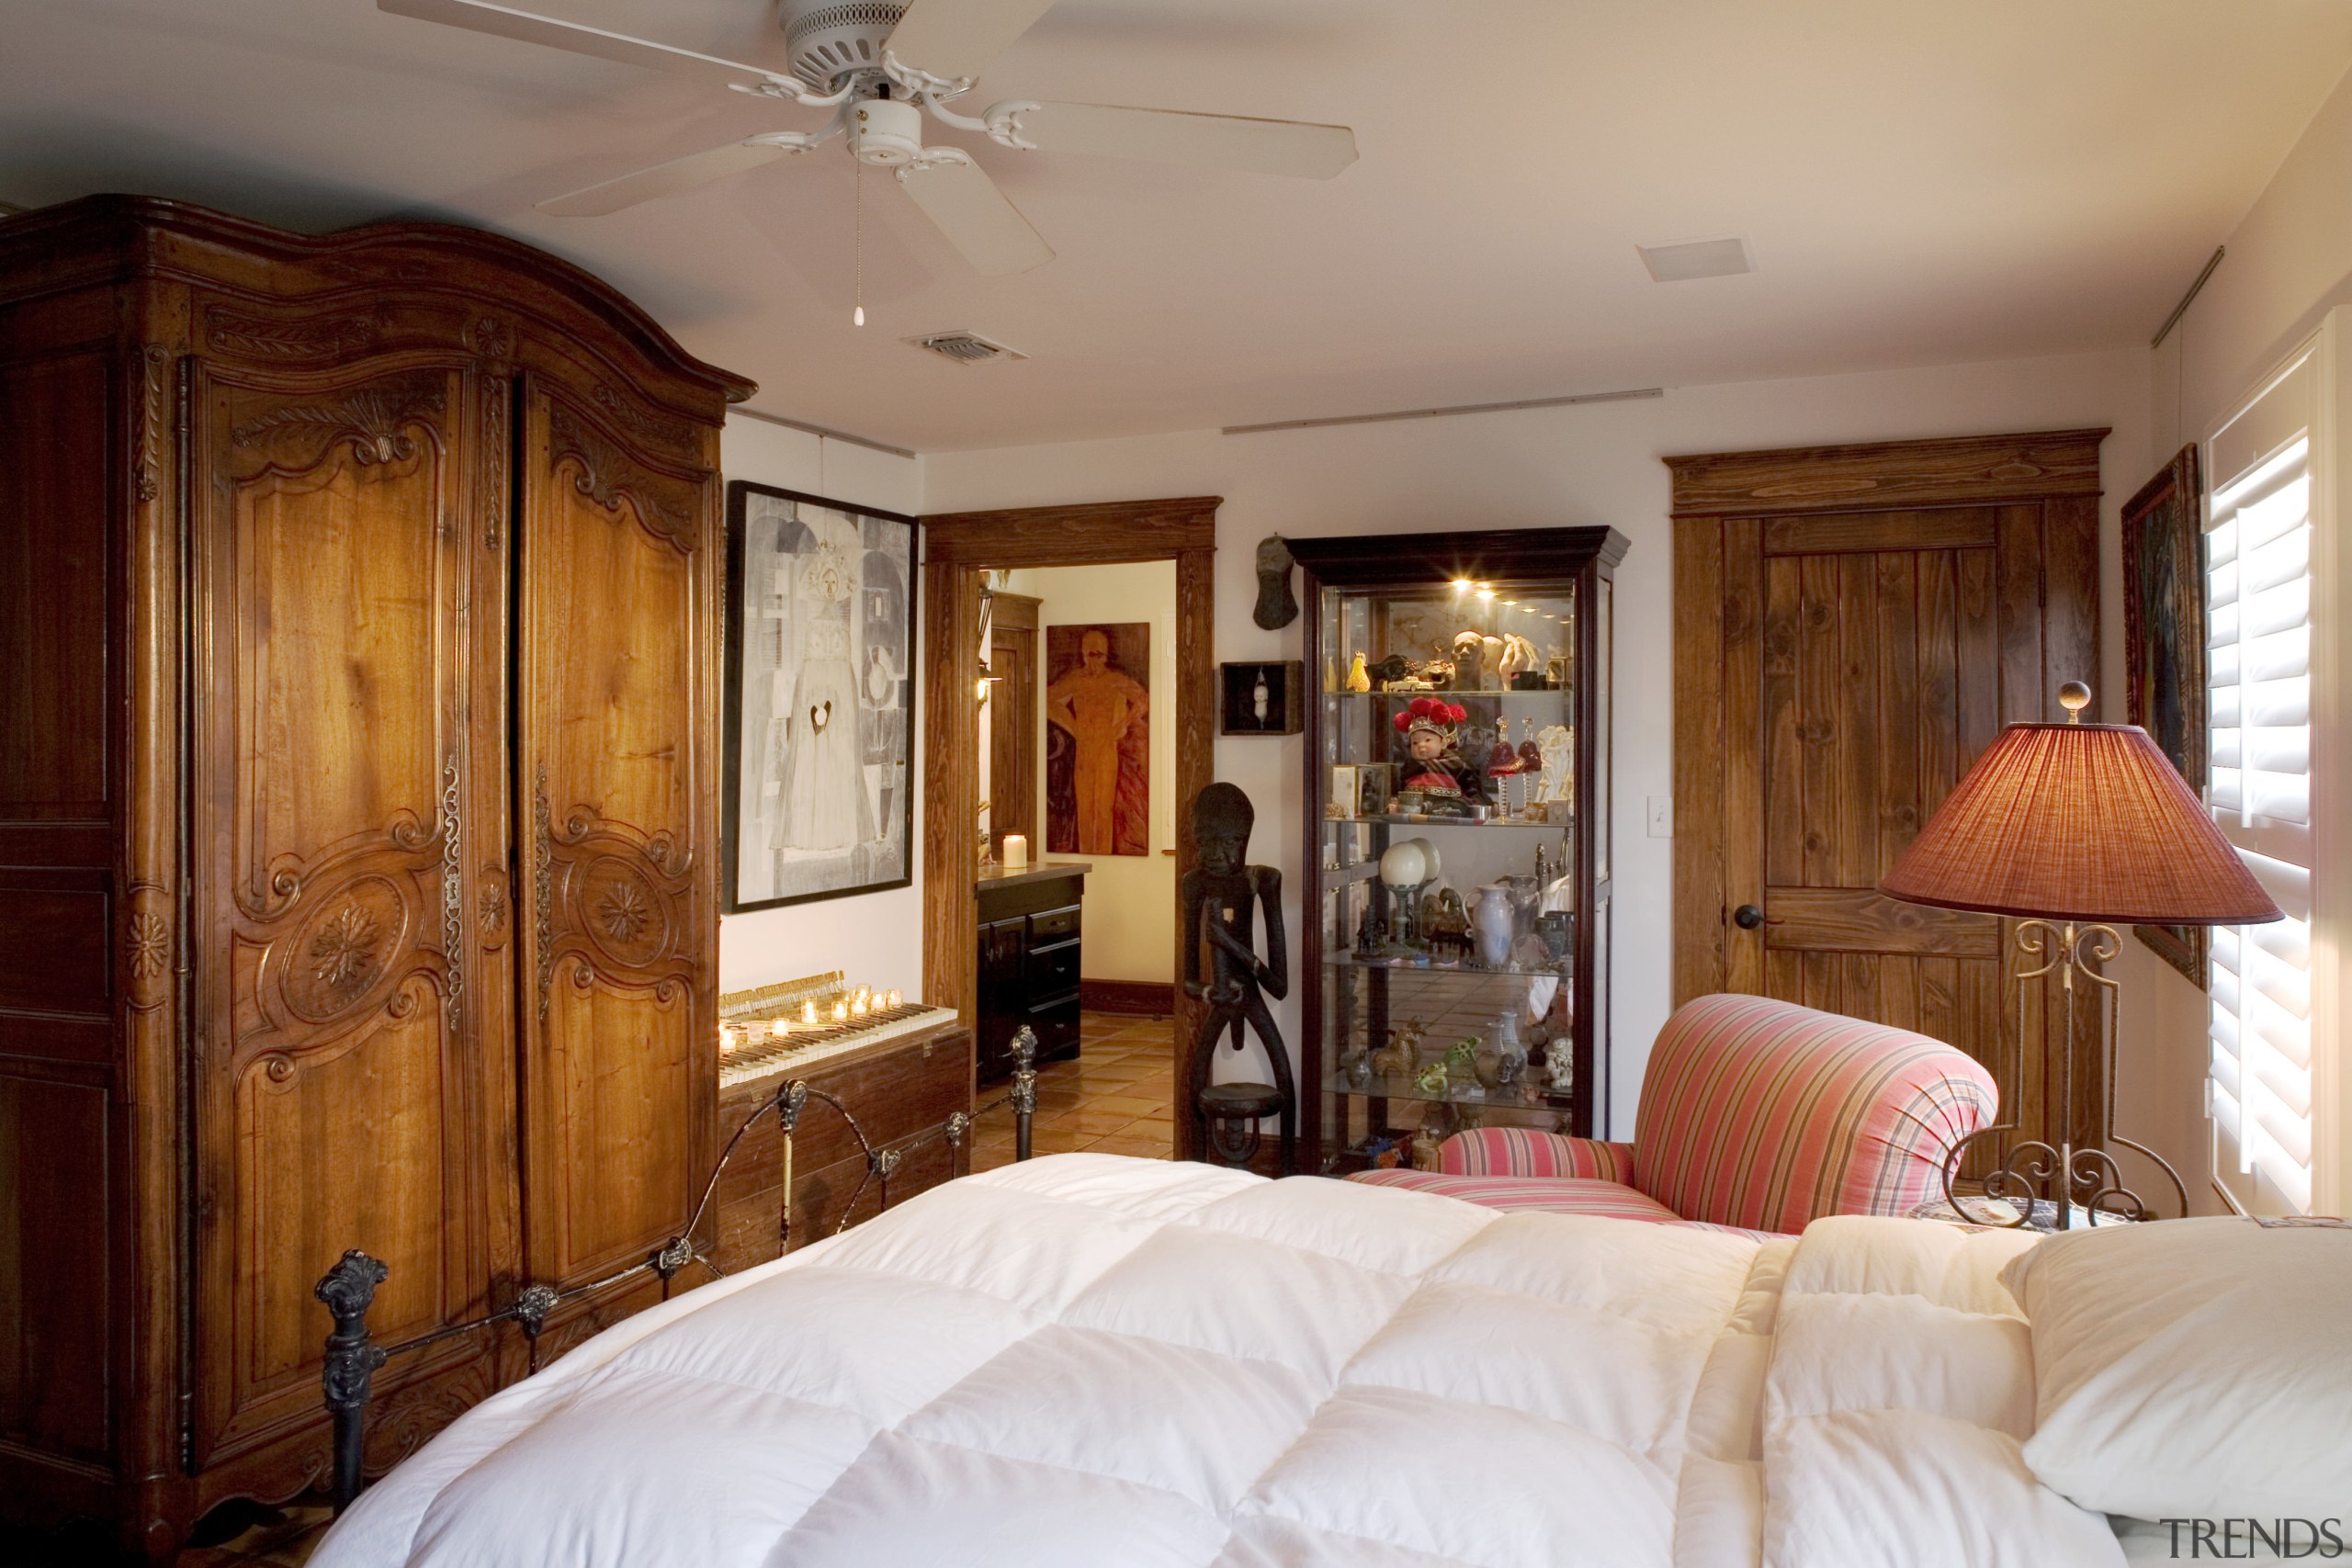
(1755, 1115)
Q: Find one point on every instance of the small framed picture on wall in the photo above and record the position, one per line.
(1264, 699)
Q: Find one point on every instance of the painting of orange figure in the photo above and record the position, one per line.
(1097, 739)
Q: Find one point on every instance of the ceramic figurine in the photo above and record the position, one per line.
(1359, 679)
(1467, 653)
(1431, 1078)
(1554, 743)
(1560, 1064)
(1433, 767)
(1445, 924)
(1357, 1065)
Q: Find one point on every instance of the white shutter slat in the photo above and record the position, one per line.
(2258, 587)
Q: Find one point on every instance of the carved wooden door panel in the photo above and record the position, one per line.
(613, 649)
(347, 701)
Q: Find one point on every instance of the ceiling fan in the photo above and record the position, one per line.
(879, 66)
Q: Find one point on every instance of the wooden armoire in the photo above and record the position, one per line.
(357, 822)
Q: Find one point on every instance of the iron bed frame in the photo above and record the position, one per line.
(353, 1357)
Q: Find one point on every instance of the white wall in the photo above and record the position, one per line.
(2290, 262)
(1593, 463)
(1130, 899)
(876, 937)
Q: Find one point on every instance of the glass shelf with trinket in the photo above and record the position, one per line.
(1459, 685)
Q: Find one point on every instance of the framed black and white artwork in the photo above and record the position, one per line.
(820, 720)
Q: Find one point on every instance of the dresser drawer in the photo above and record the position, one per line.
(1053, 925)
(1053, 971)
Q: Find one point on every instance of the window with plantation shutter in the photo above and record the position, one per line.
(2258, 543)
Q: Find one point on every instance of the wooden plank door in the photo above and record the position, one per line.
(1838, 668)
(616, 791)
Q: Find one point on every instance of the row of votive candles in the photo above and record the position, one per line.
(857, 1004)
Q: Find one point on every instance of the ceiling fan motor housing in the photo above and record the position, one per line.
(885, 132)
(830, 39)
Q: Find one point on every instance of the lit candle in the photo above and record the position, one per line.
(857, 1008)
(840, 1012)
(1016, 853)
(780, 1027)
(891, 1001)
(807, 1014)
(726, 1041)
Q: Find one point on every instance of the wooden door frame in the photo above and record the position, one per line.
(957, 546)
(2056, 469)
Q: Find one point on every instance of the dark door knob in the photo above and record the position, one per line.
(1748, 917)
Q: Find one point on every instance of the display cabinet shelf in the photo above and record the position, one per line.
(1499, 642)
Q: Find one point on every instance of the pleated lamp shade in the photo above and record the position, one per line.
(2079, 822)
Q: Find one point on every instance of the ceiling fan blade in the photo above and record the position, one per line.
(959, 38)
(662, 179)
(504, 21)
(976, 219)
(1205, 141)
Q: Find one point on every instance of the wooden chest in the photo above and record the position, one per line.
(903, 1092)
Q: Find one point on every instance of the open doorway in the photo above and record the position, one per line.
(959, 552)
(1077, 885)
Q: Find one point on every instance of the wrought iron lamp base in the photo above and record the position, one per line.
(2035, 1177)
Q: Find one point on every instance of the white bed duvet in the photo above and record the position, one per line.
(1089, 1361)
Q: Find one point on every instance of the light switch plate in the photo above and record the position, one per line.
(1661, 817)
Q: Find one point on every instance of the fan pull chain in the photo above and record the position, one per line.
(857, 230)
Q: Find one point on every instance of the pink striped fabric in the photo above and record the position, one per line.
(1523, 1151)
(1766, 1115)
(1756, 1116)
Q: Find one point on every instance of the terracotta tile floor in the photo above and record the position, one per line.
(1113, 1099)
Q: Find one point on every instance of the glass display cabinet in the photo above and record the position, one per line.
(1456, 912)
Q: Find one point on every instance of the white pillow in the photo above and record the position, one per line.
(2192, 1367)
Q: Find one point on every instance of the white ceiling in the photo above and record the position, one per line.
(1922, 182)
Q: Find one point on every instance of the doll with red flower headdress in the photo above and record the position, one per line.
(1433, 765)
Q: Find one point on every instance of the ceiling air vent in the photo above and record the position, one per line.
(965, 348)
(1697, 258)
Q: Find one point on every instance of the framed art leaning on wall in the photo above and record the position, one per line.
(820, 721)
(2164, 638)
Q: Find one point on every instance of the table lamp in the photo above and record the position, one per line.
(2074, 830)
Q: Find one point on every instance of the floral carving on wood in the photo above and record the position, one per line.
(607, 476)
(149, 413)
(150, 940)
(625, 911)
(342, 951)
(259, 337)
(627, 413)
(374, 422)
(490, 338)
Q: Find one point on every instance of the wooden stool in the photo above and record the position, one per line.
(1232, 1110)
